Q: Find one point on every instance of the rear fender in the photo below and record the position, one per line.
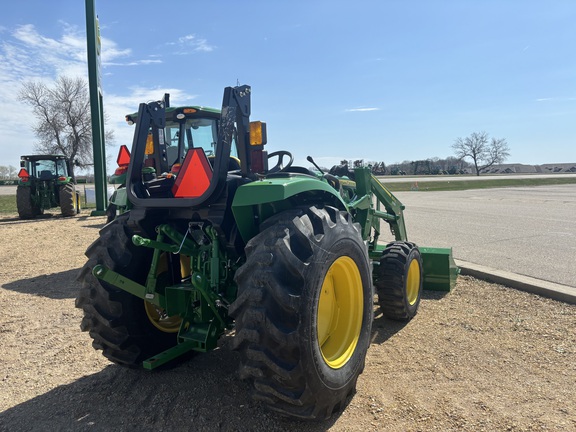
(257, 201)
(119, 197)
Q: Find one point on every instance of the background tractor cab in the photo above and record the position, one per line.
(45, 182)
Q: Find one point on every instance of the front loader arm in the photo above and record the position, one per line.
(368, 215)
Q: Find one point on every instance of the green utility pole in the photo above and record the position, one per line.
(96, 108)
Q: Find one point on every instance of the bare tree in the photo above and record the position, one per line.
(483, 151)
(63, 118)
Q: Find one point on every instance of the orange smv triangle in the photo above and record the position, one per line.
(123, 158)
(195, 175)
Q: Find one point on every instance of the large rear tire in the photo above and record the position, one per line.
(123, 326)
(68, 200)
(304, 311)
(25, 203)
(110, 213)
(399, 281)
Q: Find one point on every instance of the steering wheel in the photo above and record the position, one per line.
(280, 164)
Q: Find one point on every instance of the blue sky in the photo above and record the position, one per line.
(375, 80)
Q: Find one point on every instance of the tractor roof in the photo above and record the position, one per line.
(43, 157)
(198, 108)
(171, 112)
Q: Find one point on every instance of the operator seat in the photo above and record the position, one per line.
(233, 163)
(46, 175)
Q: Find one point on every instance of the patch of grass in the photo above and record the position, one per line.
(8, 204)
(447, 185)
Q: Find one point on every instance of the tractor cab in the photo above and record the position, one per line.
(43, 167)
(184, 156)
(185, 128)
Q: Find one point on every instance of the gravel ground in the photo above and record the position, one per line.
(482, 357)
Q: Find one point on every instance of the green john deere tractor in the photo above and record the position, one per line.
(44, 182)
(214, 237)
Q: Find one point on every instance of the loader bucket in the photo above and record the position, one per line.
(440, 270)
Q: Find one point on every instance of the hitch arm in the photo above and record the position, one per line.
(128, 285)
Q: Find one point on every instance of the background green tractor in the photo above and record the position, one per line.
(284, 261)
(44, 183)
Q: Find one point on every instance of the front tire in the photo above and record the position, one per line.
(399, 281)
(304, 311)
(120, 324)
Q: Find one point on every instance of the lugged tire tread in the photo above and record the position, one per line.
(67, 196)
(114, 318)
(24, 203)
(390, 281)
(266, 309)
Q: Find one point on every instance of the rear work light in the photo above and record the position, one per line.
(120, 170)
(176, 168)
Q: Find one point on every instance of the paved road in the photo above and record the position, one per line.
(398, 179)
(525, 230)
(7, 190)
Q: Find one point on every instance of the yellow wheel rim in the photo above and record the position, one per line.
(413, 282)
(156, 314)
(340, 312)
(159, 319)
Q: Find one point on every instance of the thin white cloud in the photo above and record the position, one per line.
(192, 43)
(135, 63)
(362, 109)
(556, 99)
(110, 51)
(30, 54)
